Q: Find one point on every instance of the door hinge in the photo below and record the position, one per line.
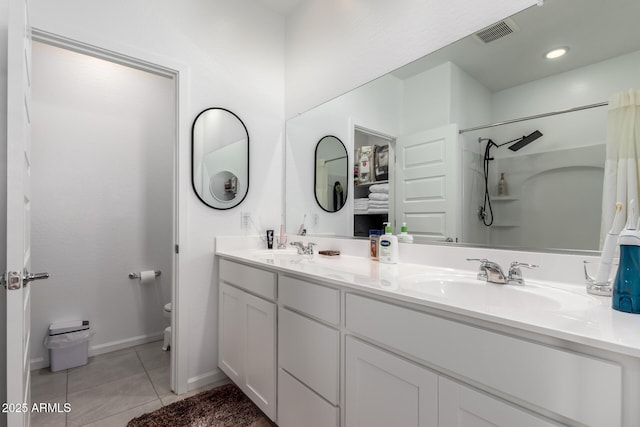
(12, 280)
(177, 249)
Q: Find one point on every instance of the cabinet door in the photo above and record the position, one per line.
(247, 345)
(461, 406)
(231, 332)
(384, 390)
(260, 353)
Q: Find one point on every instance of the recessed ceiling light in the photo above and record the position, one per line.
(556, 53)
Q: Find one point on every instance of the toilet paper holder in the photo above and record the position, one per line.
(137, 275)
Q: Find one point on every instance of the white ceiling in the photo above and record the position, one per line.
(594, 30)
(283, 7)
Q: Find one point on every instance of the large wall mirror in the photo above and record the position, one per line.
(220, 158)
(331, 174)
(441, 112)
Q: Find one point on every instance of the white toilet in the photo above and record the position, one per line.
(167, 331)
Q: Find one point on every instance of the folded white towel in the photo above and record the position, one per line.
(378, 196)
(378, 204)
(379, 188)
(378, 211)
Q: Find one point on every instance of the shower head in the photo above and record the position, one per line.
(526, 140)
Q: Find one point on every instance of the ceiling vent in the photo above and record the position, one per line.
(497, 31)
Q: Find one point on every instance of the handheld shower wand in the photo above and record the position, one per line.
(486, 211)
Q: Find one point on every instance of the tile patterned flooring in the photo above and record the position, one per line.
(109, 391)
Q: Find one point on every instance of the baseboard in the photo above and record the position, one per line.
(97, 350)
(43, 362)
(39, 363)
(208, 378)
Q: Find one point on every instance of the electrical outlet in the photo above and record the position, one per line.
(245, 220)
(316, 220)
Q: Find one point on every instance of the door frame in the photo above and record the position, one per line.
(178, 71)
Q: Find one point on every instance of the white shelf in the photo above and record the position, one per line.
(504, 198)
(381, 213)
(386, 181)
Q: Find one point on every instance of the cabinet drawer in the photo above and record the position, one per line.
(310, 352)
(299, 406)
(315, 300)
(254, 280)
(569, 384)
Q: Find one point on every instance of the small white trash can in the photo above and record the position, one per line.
(68, 344)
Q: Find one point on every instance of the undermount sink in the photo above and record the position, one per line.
(278, 256)
(469, 291)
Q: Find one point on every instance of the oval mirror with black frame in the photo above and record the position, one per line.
(331, 174)
(219, 158)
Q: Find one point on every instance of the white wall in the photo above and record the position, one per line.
(234, 52)
(102, 148)
(3, 198)
(376, 106)
(334, 46)
(426, 100)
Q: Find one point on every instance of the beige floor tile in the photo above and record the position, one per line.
(99, 402)
(153, 356)
(152, 344)
(47, 385)
(103, 369)
(121, 419)
(161, 380)
(48, 420)
(56, 418)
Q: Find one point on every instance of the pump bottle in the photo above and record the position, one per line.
(388, 251)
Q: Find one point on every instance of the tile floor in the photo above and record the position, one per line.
(109, 391)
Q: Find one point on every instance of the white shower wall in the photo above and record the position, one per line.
(103, 141)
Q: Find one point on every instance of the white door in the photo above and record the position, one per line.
(18, 213)
(427, 183)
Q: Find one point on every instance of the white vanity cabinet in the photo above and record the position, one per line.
(308, 354)
(247, 332)
(580, 388)
(350, 357)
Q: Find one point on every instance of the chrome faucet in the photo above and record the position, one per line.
(302, 249)
(492, 272)
(515, 274)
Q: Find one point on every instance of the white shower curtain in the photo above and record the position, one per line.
(621, 181)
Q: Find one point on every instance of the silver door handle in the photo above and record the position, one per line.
(30, 277)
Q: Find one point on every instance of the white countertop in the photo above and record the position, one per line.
(563, 311)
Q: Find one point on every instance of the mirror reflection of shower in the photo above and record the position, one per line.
(486, 211)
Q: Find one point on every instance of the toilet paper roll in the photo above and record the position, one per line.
(147, 277)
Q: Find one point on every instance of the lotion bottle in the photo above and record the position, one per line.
(388, 251)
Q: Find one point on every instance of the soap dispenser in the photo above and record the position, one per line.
(626, 285)
(388, 252)
(404, 236)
